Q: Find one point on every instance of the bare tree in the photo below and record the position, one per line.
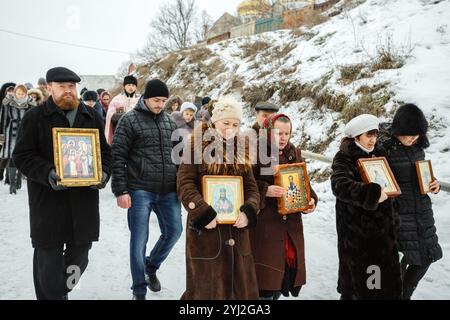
(174, 22)
(203, 26)
(173, 28)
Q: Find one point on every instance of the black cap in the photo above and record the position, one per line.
(130, 80)
(267, 106)
(61, 74)
(156, 88)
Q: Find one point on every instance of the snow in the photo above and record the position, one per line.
(418, 30)
(108, 277)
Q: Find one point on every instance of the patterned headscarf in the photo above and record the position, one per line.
(269, 124)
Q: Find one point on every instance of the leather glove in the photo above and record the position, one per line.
(53, 179)
(105, 179)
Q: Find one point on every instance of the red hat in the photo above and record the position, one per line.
(269, 123)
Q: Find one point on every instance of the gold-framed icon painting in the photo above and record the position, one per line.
(377, 170)
(226, 195)
(425, 175)
(77, 156)
(295, 181)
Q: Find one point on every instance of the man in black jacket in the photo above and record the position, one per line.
(64, 221)
(144, 179)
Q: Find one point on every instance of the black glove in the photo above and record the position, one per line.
(105, 179)
(203, 220)
(53, 178)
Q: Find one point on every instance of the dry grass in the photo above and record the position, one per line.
(387, 60)
(168, 64)
(251, 49)
(256, 94)
(350, 73)
(199, 54)
(368, 103)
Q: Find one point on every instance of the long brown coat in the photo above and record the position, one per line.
(269, 237)
(219, 262)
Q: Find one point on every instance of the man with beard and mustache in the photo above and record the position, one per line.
(64, 221)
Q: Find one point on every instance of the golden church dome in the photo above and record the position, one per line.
(253, 7)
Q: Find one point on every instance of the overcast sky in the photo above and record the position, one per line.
(118, 25)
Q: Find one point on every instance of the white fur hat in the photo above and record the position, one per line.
(226, 108)
(361, 124)
(188, 105)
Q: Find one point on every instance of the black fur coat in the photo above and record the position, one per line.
(366, 230)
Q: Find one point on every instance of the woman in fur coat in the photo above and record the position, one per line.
(14, 109)
(219, 261)
(366, 222)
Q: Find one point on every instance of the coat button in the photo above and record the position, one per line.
(284, 218)
(231, 242)
(191, 205)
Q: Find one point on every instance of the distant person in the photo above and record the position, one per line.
(90, 98)
(121, 104)
(36, 96)
(204, 113)
(173, 104)
(42, 85)
(3, 94)
(263, 111)
(14, 108)
(105, 100)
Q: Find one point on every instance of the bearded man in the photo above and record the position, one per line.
(64, 221)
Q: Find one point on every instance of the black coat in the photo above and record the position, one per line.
(65, 216)
(142, 152)
(366, 230)
(417, 234)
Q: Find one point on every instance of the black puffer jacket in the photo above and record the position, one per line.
(417, 234)
(141, 152)
(366, 230)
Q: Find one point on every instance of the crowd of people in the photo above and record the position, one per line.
(262, 254)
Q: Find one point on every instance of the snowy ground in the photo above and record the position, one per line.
(108, 278)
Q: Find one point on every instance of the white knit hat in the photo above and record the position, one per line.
(361, 124)
(188, 105)
(226, 108)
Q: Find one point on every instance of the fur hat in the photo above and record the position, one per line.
(90, 96)
(38, 93)
(226, 108)
(130, 80)
(188, 106)
(409, 120)
(361, 124)
(156, 88)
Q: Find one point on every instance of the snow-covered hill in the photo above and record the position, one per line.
(370, 57)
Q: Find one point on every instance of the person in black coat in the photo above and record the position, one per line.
(405, 144)
(144, 180)
(64, 221)
(366, 222)
(2, 126)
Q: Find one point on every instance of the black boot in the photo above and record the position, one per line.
(18, 180)
(12, 174)
(153, 283)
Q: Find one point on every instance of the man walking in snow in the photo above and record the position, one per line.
(64, 221)
(144, 179)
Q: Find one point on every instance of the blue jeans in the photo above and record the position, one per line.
(168, 211)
